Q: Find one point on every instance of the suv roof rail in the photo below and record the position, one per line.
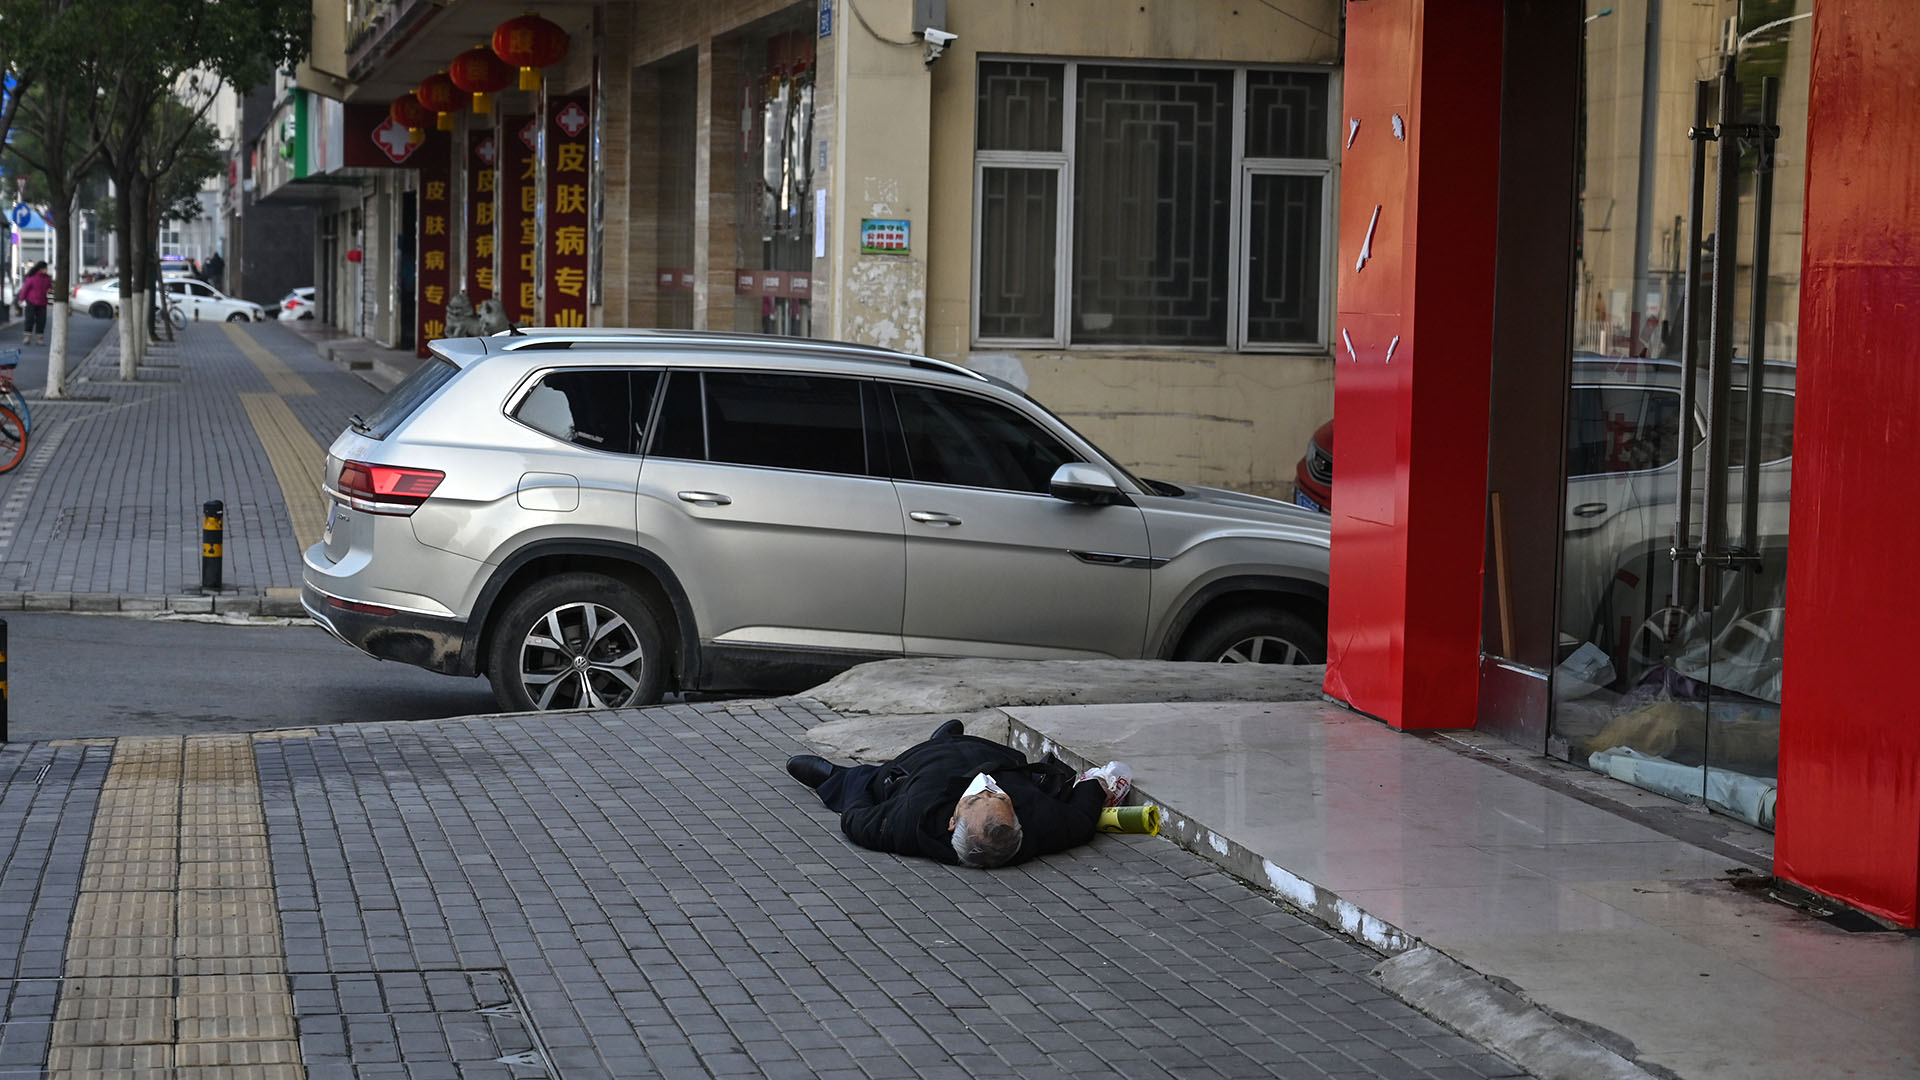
(542, 339)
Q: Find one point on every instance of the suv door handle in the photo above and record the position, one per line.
(1589, 509)
(930, 517)
(705, 498)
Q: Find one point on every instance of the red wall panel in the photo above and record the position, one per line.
(1412, 358)
(1849, 816)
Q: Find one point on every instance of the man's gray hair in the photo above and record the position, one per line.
(991, 845)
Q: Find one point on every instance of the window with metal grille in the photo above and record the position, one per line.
(1122, 204)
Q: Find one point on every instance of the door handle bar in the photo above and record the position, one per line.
(931, 517)
(705, 498)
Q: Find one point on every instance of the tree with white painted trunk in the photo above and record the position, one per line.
(55, 146)
(174, 60)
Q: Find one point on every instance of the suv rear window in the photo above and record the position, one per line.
(412, 392)
(600, 409)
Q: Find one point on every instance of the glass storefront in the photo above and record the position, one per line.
(774, 282)
(1686, 303)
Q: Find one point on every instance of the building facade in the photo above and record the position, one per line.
(1130, 214)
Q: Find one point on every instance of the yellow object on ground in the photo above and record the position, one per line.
(1131, 819)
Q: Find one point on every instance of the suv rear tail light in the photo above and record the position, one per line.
(387, 489)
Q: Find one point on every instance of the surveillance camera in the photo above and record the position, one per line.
(937, 42)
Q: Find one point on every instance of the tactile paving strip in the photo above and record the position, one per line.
(174, 963)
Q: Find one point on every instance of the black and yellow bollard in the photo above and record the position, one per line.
(213, 527)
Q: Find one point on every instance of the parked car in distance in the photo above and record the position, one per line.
(100, 298)
(297, 304)
(593, 517)
(204, 303)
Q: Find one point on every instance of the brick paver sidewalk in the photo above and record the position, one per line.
(644, 894)
(106, 506)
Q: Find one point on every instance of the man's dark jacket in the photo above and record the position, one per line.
(904, 808)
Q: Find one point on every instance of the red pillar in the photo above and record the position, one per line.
(1849, 816)
(1412, 357)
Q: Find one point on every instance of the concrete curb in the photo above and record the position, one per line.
(1482, 1010)
(352, 355)
(1418, 974)
(253, 604)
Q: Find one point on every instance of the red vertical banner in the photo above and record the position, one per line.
(436, 240)
(567, 217)
(519, 137)
(483, 181)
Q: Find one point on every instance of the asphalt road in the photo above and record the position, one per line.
(71, 676)
(83, 333)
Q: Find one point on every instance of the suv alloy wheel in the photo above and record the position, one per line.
(577, 641)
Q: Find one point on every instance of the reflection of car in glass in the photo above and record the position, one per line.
(591, 517)
(1623, 451)
(1623, 454)
(1313, 476)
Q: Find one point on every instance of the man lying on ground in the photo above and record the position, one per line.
(960, 799)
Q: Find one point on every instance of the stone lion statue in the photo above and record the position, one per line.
(462, 321)
(465, 320)
(493, 316)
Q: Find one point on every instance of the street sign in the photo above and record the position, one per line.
(20, 215)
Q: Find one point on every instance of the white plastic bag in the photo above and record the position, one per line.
(1115, 776)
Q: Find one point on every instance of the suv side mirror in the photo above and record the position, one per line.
(1089, 485)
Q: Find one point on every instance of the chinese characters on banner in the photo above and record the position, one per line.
(481, 181)
(436, 238)
(567, 179)
(518, 135)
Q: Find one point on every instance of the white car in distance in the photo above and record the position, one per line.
(199, 300)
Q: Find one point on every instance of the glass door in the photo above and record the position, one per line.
(1680, 412)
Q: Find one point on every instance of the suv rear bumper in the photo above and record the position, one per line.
(427, 641)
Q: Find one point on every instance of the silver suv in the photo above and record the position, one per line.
(594, 517)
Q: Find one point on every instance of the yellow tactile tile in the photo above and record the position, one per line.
(80, 992)
(116, 1062)
(196, 991)
(175, 967)
(232, 965)
(238, 1072)
(280, 376)
(295, 459)
(116, 915)
(154, 1027)
(227, 874)
(222, 849)
(260, 1052)
(104, 876)
(234, 1025)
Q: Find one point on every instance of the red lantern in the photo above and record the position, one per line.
(438, 93)
(530, 43)
(480, 73)
(407, 110)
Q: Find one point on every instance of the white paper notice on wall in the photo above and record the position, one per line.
(819, 223)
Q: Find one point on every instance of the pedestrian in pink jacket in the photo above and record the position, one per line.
(34, 291)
